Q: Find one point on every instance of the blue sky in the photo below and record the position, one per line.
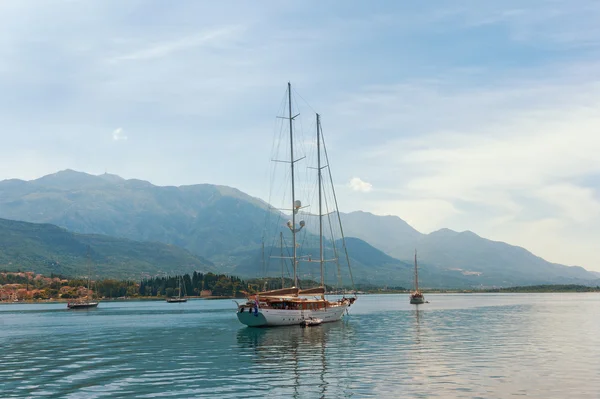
(471, 115)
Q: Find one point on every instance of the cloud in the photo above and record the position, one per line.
(118, 134)
(505, 161)
(212, 37)
(357, 184)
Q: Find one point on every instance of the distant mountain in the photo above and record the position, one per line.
(46, 249)
(508, 264)
(207, 220)
(384, 232)
(480, 260)
(225, 226)
(216, 222)
(369, 265)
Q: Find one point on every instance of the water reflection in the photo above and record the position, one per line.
(417, 325)
(298, 354)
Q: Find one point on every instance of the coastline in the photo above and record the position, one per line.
(128, 299)
(521, 290)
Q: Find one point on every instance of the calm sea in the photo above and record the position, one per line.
(457, 346)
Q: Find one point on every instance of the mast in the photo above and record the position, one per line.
(293, 228)
(320, 199)
(281, 250)
(416, 274)
(89, 271)
(264, 269)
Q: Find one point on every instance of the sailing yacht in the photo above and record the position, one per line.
(178, 298)
(294, 305)
(416, 297)
(88, 301)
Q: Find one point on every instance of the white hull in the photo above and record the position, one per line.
(288, 317)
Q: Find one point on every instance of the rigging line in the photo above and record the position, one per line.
(271, 179)
(277, 122)
(302, 243)
(289, 256)
(302, 143)
(273, 227)
(299, 131)
(305, 102)
(338, 212)
(334, 246)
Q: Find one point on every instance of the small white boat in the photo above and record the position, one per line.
(311, 322)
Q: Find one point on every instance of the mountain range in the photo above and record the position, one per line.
(221, 227)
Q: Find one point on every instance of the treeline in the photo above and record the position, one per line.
(547, 288)
(30, 286)
(194, 285)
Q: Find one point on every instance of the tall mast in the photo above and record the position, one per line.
(416, 273)
(262, 260)
(320, 199)
(281, 250)
(293, 228)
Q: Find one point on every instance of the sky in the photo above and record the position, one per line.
(469, 115)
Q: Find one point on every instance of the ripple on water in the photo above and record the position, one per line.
(455, 347)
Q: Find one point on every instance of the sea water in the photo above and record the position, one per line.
(456, 346)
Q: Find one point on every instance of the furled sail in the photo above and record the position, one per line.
(280, 292)
(313, 291)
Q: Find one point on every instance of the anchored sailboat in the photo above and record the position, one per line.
(416, 297)
(178, 298)
(296, 306)
(88, 301)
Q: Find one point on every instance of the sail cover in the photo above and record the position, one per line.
(313, 291)
(280, 292)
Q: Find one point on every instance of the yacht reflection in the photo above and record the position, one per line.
(417, 325)
(297, 353)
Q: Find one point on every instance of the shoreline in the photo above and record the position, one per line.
(128, 299)
(132, 299)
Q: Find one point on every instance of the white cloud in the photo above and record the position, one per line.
(357, 184)
(118, 134)
(577, 204)
(213, 37)
(505, 162)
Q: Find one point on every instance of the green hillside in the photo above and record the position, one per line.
(47, 249)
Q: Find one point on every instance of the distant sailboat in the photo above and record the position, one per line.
(88, 301)
(178, 298)
(416, 297)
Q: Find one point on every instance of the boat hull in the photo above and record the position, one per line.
(288, 317)
(176, 300)
(87, 305)
(417, 301)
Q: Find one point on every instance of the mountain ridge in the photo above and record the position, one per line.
(223, 224)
